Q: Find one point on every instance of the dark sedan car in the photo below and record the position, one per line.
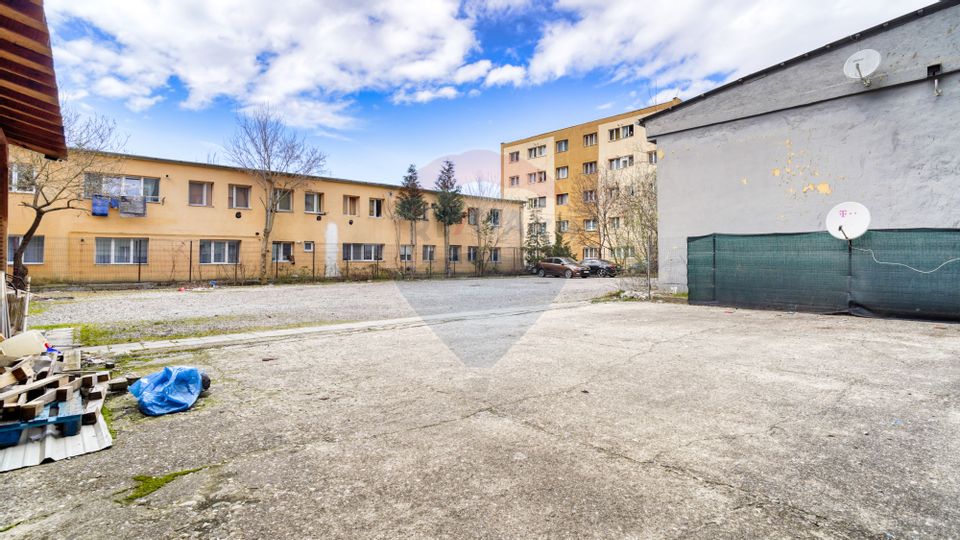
(600, 267)
(561, 266)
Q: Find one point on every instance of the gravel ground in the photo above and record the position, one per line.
(132, 315)
(611, 420)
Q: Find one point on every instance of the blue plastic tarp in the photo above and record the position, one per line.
(174, 389)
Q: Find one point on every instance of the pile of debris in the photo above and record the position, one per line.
(51, 408)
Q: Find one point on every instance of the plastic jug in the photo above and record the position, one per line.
(24, 344)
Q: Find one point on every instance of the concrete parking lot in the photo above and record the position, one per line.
(623, 419)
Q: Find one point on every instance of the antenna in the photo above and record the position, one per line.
(861, 65)
(848, 220)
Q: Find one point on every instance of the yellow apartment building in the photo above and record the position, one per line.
(161, 220)
(556, 172)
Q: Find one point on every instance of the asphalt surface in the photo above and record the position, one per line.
(624, 419)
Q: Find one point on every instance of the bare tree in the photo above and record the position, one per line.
(488, 222)
(594, 200)
(59, 185)
(278, 159)
(636, 236)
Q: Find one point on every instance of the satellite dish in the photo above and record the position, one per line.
(848, 220)
(861, 65)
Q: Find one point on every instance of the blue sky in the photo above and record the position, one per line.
(378, 84)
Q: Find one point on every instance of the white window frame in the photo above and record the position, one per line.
(375, 207)
(348, 201)
(541, 176)
(362, 252)
(590, 225)
(536, 151)
(229, 247)
(473, 216)
(590, 167)
(514, 156)
(309, 246)
(563, 225)
(121, 184)
(13, 242)
(563, 145)
(429, 252)
(281, 195)
(472, 253)
(627, 131)
(615, 222)
(495, 255)
(563, 173)
(621, 162)
(494, 217)
(532, 178)
(591, 253)
(207, 193)
(590, 196)
(16, 171)
(563, 199)
(317, 202)
(652, 157)
(278, 255)
(233, 196)
(113, 250)
(590, 139)
(453, 253)
(406, 253)
(514, 180)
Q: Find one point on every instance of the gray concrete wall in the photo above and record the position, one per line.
(896, 150)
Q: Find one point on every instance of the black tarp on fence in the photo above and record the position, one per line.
(911, 273)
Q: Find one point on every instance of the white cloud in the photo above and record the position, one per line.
(303, 57)
(425, 95)
(682, 45)
(495, 8)
(605, 106)
(505, 74)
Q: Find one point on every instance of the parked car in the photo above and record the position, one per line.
(600, 267)
(561, 266)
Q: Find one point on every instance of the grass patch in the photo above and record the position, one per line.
(45, 327)
(680, 295)
(148, 484)
(107, 413)
(611, 296)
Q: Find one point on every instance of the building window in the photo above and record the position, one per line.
(284, 200)
(563, 172)
(406, 253)
(562, 199)
(542, 176)
(116, 186)
(537, 151)
(652, 157)
(514, 156)
(22, 178)
(532, 178)
(538, 202)
(472, 214)
(454, 254)
(363, 252)
(563, 226)
(590, 139)
(590, 196)
(537, 227)
(591, 253)
(563, 146)
(308, 246)
(219, 251)
(494, 217)
(200, 194)
(32, 255)
(590, 167)
(472, 253)
(615, 223)
(121, 251)
(376, 207)
(495, 255)
(351, 205)
(313, 203)
(621, 162)
(240, 197)
(623, 253)
(282, 252)
(621, 132)
(514, 180)
(429, 252)
(590, 225)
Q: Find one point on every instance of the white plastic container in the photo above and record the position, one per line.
(24, 344)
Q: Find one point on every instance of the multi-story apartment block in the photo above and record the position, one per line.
(556, 173)
(154, 219)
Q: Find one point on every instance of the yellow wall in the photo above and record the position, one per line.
(171, 225)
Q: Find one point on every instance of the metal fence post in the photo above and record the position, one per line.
(190, 270)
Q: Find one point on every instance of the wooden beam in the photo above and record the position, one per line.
(28, 83)
(20, 68)
(4, 200)
(42, 383)
(27, 8)
(19, 92)
(25, 118)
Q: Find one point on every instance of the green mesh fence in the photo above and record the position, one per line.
(902, 273)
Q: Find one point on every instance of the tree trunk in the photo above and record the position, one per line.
(413, 244)
(446, 250)
(19, 269)
(265, 246)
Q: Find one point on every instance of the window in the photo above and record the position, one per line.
(406, 253)
(563, 172)
(621, 132)
(540, 227)
(537, 151)
(621, 162)
(590, 139)
(563, 226)
(615, 223)
(284, 200)
(622, 253)
(542, 176)
(363, 252)
(32, 255)
(312, 203)
(494, 217)
(240, 197)
(590, 167)
(22, 178)
(562, 199)
(121, 251)
(376, 207)
(590, 225)
(200, 194)
(537, 202)
(219, 251)
(590, 196)
(563, 146)
(514, 180)
(115, 186)
(514, 156)
(472, 253)
(351, 205)
(532, 178)
(591, 253)
(308, 246)
(472, 214)
(429, 252)
(495, 255)
(454, 254)
(652, 157)
(282, 252)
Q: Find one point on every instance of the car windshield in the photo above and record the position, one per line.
(565, 260)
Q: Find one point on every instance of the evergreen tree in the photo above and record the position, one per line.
(412, 207)
(449, 207)
(537, 243)
(560, 246)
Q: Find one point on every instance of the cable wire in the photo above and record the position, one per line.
(878, 261)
